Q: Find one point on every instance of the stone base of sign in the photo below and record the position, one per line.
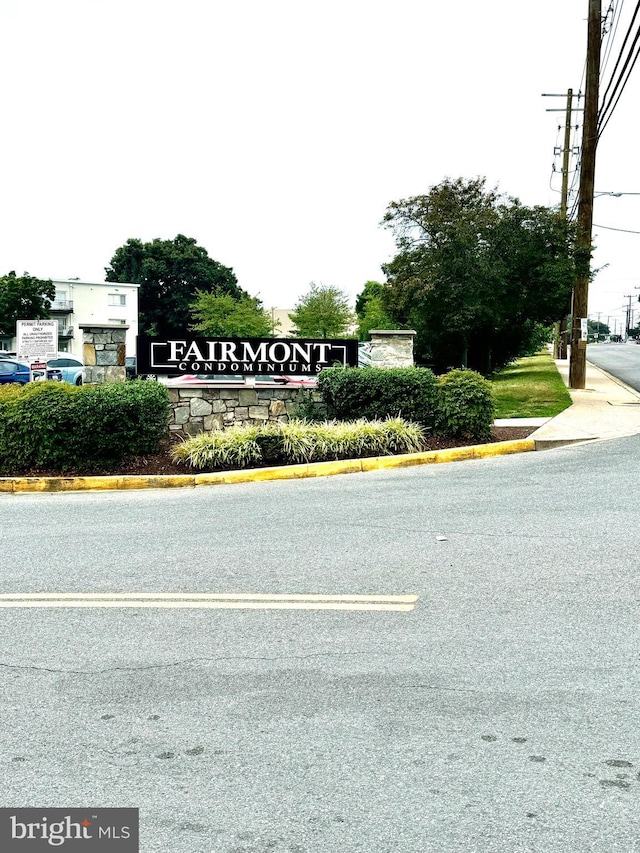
(195, 410)
(392, 347)
(104, 352)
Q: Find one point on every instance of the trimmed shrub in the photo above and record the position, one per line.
(244, 445)
(307, 408)
(466, 406)
(62, 427)
(375, 393)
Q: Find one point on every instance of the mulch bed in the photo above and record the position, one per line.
(161, 462)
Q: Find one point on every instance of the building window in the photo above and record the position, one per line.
(117, 321)
(117, 299)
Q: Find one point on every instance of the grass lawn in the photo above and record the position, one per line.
(530, 388)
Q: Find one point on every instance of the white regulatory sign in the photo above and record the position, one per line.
(583, 329)
(37, 339)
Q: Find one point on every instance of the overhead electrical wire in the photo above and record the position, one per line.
(603, 65)
(609, 228)
(613, 92)
(610, 34)
(617, 85)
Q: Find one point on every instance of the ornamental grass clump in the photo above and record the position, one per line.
(239, 446)
(297, 442)
(361, 438)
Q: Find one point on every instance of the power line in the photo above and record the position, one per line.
(626, 37)
(609, 228)
(619, 83)
(610, 34)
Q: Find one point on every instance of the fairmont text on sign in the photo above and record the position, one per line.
(239, 356)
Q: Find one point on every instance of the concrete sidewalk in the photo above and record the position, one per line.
(607, 408)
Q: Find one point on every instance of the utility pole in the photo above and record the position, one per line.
(578, 359)
(565, 155)
(560, 344)
(628, 296)
(562, 329)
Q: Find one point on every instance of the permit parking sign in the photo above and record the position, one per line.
(37, 339)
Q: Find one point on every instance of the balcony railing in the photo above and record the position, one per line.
(62, 305)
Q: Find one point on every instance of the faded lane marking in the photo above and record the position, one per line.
(210, 600)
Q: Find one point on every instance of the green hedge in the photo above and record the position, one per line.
(373, 393)
(466, 406)
(458, 404)
(61, 427)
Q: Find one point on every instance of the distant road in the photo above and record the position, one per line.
(620, 360)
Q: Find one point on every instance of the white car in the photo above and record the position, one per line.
(69, 365)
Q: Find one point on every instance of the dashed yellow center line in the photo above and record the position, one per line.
(210, 600)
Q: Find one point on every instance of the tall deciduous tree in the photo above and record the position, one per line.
(223, 316)
(370, 310)
(23, 298)
(476, 273)
(169, 273)
(323, 312)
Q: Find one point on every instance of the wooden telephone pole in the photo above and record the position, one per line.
(562, 328)
(578, 358)
(560, 345)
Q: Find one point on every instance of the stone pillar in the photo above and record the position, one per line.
(104, 352)
(392, 347)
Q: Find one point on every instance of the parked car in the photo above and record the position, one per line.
(296, 381)
(70, 366)
(130, 366)
(230, 379)
(16, 371)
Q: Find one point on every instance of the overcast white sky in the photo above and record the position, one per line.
(276, 133)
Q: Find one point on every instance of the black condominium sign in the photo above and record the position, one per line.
(239, 356)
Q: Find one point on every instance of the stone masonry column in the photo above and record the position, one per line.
(103, 352)
(392, 347)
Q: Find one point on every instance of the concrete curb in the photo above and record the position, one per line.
(258, 475)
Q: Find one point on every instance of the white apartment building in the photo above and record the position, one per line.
(93, 302)
(89, 302)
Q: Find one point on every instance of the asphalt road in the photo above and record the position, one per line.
(501, 714)
(620, 360)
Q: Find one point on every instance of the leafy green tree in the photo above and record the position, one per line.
(23, 298)
(169, 273)
(323, 312)
(597, 329)
(477, 274)
(226, 317)
(370, 310)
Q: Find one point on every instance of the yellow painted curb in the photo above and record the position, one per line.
(76, 484)
(256, 475)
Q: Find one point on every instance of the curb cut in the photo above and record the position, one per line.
(258, 475)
